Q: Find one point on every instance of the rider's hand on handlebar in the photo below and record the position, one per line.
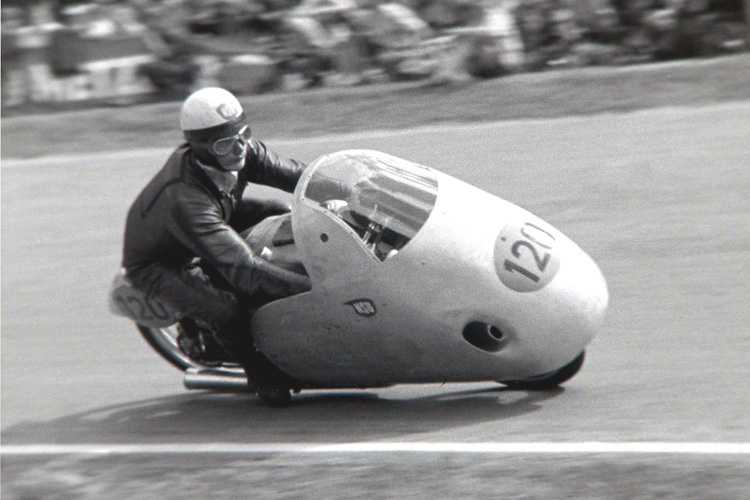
(295, 282)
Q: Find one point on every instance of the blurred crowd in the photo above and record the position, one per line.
(252, 46)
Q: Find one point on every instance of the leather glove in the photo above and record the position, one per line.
(295, 281)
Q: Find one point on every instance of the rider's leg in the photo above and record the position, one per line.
(261, 373)
(193, 292)
(205, 307)
(189, 291)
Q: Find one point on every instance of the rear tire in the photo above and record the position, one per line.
(164, 341)
(550, 380)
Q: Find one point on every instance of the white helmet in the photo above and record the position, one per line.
(210, 113)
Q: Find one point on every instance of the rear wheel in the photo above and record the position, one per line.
(164, 341)
(550, 380)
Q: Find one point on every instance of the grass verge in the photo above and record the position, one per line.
(394, 106)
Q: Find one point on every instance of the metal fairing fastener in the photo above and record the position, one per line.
(363, 307)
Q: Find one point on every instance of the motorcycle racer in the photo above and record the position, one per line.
(182, 241)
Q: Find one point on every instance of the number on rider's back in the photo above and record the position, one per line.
(143, 309)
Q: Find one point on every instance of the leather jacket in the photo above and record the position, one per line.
(181, 214)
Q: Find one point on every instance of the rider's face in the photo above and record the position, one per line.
(230, 152)
(235, 160)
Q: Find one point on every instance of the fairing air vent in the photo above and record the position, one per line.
(484, 336)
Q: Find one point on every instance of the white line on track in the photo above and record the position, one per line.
(690, 448)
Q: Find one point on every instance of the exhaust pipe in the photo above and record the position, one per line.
(216, 379)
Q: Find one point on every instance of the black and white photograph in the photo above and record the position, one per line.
(359, 249)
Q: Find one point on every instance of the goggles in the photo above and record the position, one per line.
(222, 147)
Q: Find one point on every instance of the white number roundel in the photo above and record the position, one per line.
(525, 257)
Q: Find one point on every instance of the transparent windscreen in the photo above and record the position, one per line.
(385, 199)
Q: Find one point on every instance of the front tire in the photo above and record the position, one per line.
(550, 380)
(275, 396)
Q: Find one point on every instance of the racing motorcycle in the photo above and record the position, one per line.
(417, 277)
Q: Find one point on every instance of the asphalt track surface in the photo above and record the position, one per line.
(660, 199)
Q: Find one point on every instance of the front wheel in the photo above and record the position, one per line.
(550, 380)
(275, 396)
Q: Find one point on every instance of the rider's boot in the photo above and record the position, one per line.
(263, 377)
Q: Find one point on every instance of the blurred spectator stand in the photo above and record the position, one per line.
(198, 44)
(118, 51)
(493, 44)
(88, 52)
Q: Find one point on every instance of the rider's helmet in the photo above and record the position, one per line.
(212, 121)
